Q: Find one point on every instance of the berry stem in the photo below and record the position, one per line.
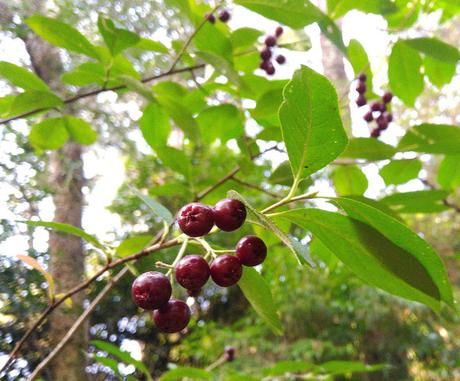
(207, 247)
(162, 265)
(221, 360)
(179, 256)
(288, 200)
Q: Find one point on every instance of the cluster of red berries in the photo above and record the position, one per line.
(152, 290)
(266, 53)
(377, 110)
(224, 16)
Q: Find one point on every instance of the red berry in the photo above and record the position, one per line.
(387, 97)
(224, 16)
(361, 100)
(151, 290)
(229, 354)
(265, 54)
(226, 270)
(195, 219)
(229, 214)
(281, 59)
(368, 116)
(375, 133)
(172, 317)
(389, 117)
(192, 272)
(362, 77)
(270, 41)
(194, 293)
(361, 87)
(270, 70)
(210, 17)
(376, 106)
(251, 250)
(279, 31)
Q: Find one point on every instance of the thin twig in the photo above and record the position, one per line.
(445, 201)
(254, 186)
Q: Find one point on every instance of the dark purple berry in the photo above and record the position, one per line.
(265, 54)
(375, 133)
(389, 117)
(226, 270)
(361, 100)
(194, 293)
(383, 107)
(362, 77)
(229, 354)
(172, 317)
(195, 219)
(270, 41)
(387, 97)
(368, 117)
(281, 59)
(382, 123)
(224, 16)
(270, 70)
(251, 250)
(151, 290)
(211, 18)
(192, 272)
(229, 214)
(361, 87)
(279, 31)
(375, 106)
(264, 65)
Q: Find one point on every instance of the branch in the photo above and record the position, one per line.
(254, 186)
(445, 201)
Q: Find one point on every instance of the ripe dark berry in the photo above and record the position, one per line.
(270, 70)
(264, 65)
(226, 270)
(279, 31)
(382, 123)
(229, 354)
(281, 59)
(151, 290)
(192, 272)
(224, 16)
(229, 214)
(172, 317)
(389, 117)
(270, 41)
(383, 107)
(362, 77)
(376, 106)
(210, 17)
(361, 100)
(195, 219)
(368, 116)
(194, 293)
(375, 133)
(361, 87)
(387, 97)
(265, 54)
(251, 250)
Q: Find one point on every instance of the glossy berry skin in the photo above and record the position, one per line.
(362, 77)
(251, 250)
(368, 117)
(361, 100)
(172, 317)
(376, 106)
(270, 70)
(229, 354)
(361, 87)
(192, 272)
(279, 31)
(194, 293)
(264, 65)
(265, 54)
(211, 18)
(195, 219)
(382, 123)
(270, 41)
(224, 16)
(387, 97)
(151, 290)
(375, 133)
(229, 214)
(226, 270)
(281, 59)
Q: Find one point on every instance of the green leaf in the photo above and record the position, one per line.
(85, 74)
(379, 7)
(369, 149)
(436, 49)
(79, 130)
(176, 160)
(404, 72)
(157, 208)
(295, 40)
(67, 229)
(370, 255)
(150, 45)
(449, 172)
(400, 171)
(429, 201)
(360, 61)
(282, 175)
(184, 372)
(310, 122)
(133, 245)
(257, 292)
(108, 362)
(5, 104)
(267, 107)
(32, 100)
(211, 40)
(221, 65)
(345, 367)
(49, 134)
(21, 77)
(154, 125)
(116, 39)
(349, 180)
(291, 367)
(32, 262)
(439, 73)
(62, 35)
(432, 138)
(222, 122)
(244, 37)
